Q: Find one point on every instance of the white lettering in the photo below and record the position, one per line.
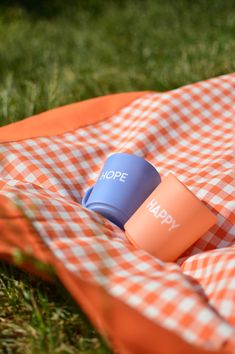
(110, 174)
(103, 176)
(151, 204)
(168, 219)
(155, 210)
(162, 214)
(121, 176)
(124, 176)
(117, 174)
(174, 226)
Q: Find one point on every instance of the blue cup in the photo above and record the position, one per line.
(122, 186)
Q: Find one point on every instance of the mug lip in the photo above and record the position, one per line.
(185, 189)
(140, 158)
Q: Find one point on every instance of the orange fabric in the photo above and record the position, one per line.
(140, 303)
(67, 118)
(127, 330)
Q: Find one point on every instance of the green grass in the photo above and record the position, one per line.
(56, 54)
(42, 318)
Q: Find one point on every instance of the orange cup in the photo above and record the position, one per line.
(170, 220)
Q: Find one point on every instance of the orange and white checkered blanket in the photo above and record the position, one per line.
(132, 297)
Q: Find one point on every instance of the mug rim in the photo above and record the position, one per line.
(151, 165)
(185, 189)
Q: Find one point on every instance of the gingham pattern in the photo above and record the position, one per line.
(187, 131)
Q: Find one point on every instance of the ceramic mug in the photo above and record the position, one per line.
(170, 220)
(124, 183)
